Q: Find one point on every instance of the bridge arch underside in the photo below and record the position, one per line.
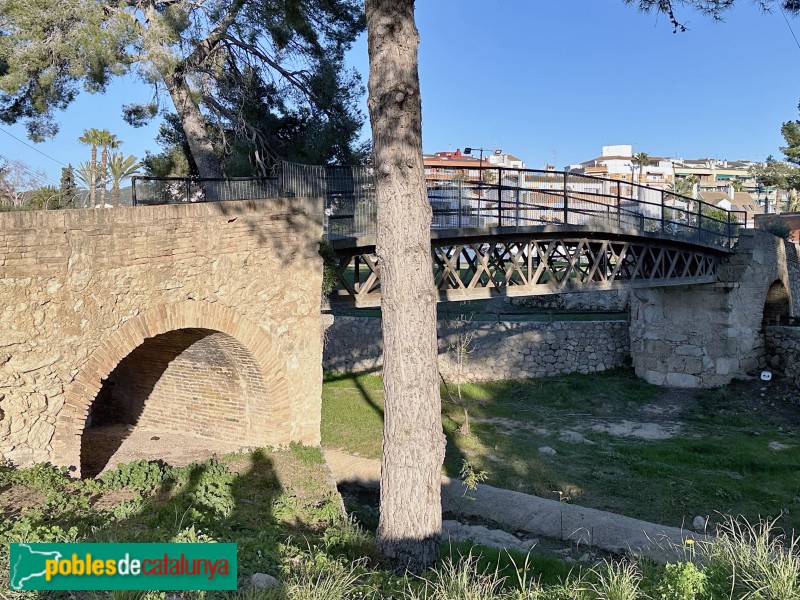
(535, 261)
(199, 387)
(189, 371)
(777, 305)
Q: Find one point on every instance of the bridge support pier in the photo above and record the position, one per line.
(705, 335)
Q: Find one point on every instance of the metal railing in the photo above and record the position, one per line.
(471, 198)
(179, 190)
(499, 197)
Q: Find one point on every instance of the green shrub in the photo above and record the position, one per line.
(681, 581)
(138, 475)
(776, 226)
(330, 270)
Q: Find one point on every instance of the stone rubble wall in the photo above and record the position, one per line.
(504, 350)
(783, 351)
(82, 289)
(704, 335)
(600, 301)
(793, 265)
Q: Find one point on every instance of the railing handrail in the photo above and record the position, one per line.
(484, 195)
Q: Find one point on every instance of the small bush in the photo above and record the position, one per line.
(139, 475)
(330, 272)
(776, 226)
(681, 581)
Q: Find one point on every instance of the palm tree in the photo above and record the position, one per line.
(107, 140)
(683, 186)
(642, 159)
(121, 167)
(87, 175)
(91, 137)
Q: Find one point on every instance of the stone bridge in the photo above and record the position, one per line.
(202, 319)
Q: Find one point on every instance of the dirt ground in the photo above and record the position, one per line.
(107, 447)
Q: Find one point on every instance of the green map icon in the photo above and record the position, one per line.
(27, 563)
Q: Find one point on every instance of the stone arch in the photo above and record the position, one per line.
(777, 304)
(187, 315)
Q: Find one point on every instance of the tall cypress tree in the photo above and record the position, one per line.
(68, 190)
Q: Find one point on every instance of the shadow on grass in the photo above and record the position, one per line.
(241, 500)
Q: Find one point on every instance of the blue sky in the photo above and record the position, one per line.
(552, 81)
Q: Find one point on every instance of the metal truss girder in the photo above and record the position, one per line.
(491, 266)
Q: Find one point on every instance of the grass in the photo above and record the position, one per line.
(278, 509)
(718, 461)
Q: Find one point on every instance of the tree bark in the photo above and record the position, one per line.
(413, 442)
(194, 126)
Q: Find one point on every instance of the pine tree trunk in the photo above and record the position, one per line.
(194, 126)
(413, 441)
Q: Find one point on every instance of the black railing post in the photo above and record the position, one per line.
(460, 202)
(500, 196)
(619, 204)
(133, 190)
(187, 190)
(699, 222)
(516, 205)
(730, 237)
(566, 205)
(663, 230)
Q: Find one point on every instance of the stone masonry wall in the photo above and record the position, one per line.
(82, 289)
(793, 265)
(505, 350)
(783, 351)
(606, 300)
(704, 335)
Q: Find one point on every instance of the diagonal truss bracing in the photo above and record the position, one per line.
(487, 266)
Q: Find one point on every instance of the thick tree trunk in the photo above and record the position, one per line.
(413, 441)
(194, 126)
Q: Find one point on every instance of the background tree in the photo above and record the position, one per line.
(684, 186)
(774, 174)
(413, 441)
(712, 8)
(68, 190)
(121, 167)
(43, 198)
(791, 133)
(215, 60)
(87, 175)
(642, 159)
(17, 181)
(93, 138)
(107, 141)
